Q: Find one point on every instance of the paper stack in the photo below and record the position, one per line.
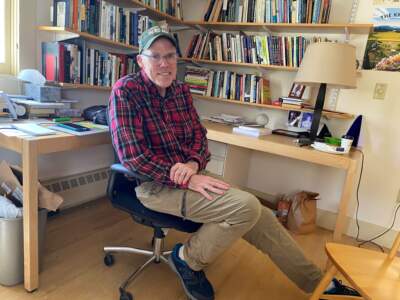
(252, 131)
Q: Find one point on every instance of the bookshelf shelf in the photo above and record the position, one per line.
(235, 64)
(285, 27)
(71, 86)
(150, 12)
(328, 114)
(87, 36)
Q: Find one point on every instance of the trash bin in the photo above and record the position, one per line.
(12, 248)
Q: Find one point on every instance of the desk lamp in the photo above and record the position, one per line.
(326, 64)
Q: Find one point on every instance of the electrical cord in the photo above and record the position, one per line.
(371, 240)
(384, 232)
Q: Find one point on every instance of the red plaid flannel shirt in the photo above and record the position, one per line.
(151, 133)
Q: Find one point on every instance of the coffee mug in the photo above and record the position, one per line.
(346, 142)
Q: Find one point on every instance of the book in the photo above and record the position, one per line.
(251, 131)
(33, 129)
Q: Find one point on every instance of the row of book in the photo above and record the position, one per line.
(101, 18)
(256, 49)
(268, 11)
(171, 7)
(228, 85)
(71, 63)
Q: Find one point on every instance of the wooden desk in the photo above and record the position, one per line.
(284, 146)
(30, 148)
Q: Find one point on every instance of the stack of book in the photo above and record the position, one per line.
(197, 79)
(252, 131)
(293, 103)
(268, 11)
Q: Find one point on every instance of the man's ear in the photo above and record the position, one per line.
(139, 60)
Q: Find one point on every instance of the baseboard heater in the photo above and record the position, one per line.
(79, 188)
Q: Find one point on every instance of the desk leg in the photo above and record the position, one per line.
(341, 220)
(30, 215)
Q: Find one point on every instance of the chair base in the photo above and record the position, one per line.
(156, 256)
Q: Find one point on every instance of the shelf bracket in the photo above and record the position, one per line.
(267, 30)
(262, 71)
(347, 34)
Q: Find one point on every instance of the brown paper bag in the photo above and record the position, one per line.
(303, 212)
(46, 199)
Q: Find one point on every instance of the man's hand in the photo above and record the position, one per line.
(180, 173)
(204, 184)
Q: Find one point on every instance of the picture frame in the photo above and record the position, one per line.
(306, 120)
(296, 91)
(294, 118)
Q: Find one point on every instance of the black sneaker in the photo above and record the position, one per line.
(341, 289)
(195, 283)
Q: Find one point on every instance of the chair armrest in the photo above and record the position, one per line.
(119, 168)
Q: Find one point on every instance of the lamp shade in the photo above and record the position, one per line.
(330, 63)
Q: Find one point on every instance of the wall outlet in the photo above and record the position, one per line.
(380, 91)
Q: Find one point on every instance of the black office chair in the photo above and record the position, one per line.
(121, 191)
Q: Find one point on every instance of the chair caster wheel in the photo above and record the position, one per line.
(109, 260)
(125, 295)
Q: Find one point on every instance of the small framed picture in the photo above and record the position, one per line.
(306, 120)
(297, 90)
(294, 118)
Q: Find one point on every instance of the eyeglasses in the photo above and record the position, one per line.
(157, 58)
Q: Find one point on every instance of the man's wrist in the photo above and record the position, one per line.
(194, 164)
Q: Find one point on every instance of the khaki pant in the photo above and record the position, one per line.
(225, 219)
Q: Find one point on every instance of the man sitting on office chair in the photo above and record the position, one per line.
(156, 132)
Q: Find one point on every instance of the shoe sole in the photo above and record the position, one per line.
(172, 265)
(339, 297)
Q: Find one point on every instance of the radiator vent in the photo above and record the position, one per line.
(79, 188)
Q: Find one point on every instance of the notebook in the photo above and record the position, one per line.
(33, 129)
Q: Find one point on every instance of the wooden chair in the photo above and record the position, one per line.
(375, 275)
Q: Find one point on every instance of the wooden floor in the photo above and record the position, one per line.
(73, 262)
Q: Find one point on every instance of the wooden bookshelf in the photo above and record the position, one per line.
(284, 27)
(87, 36)
(328, 114)
(150, 12)
(236, 64)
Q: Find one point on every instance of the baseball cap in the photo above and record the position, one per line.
(151, 35)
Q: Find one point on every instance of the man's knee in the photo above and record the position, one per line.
(250, 207)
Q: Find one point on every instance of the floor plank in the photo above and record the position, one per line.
(73, 262)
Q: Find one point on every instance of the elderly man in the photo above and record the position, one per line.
(157, 133)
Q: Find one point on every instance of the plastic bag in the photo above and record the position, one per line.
(8, 210)
(303, 212)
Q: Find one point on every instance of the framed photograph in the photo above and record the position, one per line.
(297, 90)
(306, 120)
(294, 118)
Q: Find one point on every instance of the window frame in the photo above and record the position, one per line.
(5, 67)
